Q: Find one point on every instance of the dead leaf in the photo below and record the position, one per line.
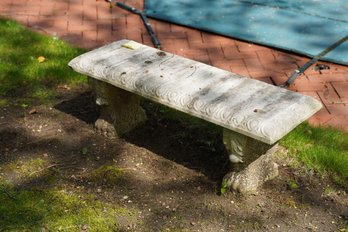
(41, 59)
(65, 87)
(33, 111)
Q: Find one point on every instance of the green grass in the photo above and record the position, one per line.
(53, 207)
(22, 75)
(29, 208)
(107, 175)
(324, 150)
(56, 210)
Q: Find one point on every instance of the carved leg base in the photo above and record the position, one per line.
(254, 175)
(120, 110)
(251, 162)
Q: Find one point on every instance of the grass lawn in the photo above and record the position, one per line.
(32, 68)
(55, 210)
(324, 150)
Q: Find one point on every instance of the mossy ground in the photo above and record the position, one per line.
(55, 210)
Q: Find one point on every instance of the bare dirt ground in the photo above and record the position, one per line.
(172, 172)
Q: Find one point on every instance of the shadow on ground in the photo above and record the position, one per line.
(184, 141)
(179, 195)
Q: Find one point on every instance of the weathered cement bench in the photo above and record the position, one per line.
(253, 115)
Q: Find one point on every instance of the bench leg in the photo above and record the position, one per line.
(120, 110)
(251, 162)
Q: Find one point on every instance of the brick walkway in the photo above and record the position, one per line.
(90, 23)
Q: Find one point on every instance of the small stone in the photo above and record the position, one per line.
(33, 111)
(192, 223)
(84, 228)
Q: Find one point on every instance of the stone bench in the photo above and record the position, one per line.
(253, 115)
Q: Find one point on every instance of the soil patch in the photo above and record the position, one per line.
(168, 171)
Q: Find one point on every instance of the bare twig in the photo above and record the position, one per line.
(48, 167)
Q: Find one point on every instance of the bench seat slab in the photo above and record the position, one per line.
(249, 107)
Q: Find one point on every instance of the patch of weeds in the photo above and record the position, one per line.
(23, 71)
(3, 102)
(292, 184)
(224, 186)
(55, 210)
(328, 191)
(84, 151)
(324, 150)
(108, 175)
(291, 203)
(28, 168)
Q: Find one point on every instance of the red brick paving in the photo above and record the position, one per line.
(90, 23)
